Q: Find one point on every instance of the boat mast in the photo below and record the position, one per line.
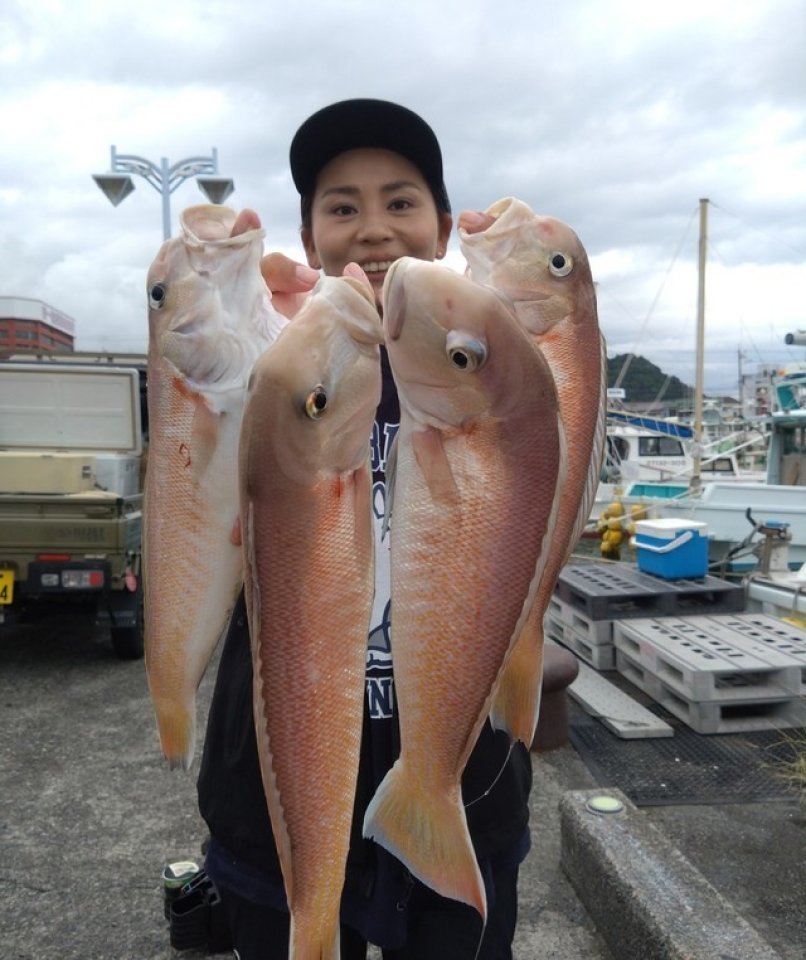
(699, 383)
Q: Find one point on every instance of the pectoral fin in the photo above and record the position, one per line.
(429, 449)
(199, 450)
(204, 436)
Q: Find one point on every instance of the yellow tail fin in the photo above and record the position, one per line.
(428, 833)
(177, 729)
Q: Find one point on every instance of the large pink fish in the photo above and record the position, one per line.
(306, 518)
(210, 317)
(540, 264)
(479, 457)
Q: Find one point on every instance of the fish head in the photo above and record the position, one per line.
(451, 342)
(209, 310)
(312, 396)
(538, 262)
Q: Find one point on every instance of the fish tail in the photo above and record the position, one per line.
(309, 941)
(176, 723)
(516, 703)
(427, 831)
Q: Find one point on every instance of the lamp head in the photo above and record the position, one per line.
(116, 186)
(216, 189)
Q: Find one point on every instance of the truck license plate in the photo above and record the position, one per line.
(6, 586)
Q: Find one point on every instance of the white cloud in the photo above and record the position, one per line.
(615, 117)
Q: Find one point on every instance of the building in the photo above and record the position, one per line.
(31, 325)
(773, 388)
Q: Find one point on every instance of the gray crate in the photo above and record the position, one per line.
(620, 591)
(704, 662)
(714, 717)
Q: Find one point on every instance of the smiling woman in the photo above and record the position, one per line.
(371, 207)
(369, 174)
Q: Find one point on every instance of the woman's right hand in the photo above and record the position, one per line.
(474, 221)
(289, 282)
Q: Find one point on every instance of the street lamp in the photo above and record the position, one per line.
(117, 184)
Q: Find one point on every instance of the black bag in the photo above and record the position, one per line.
(196, 917)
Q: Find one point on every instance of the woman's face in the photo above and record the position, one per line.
(372, 207)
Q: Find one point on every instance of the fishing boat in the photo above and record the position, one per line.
(642, 449)
(734, 510)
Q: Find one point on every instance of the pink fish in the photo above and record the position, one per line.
(479, 457)
(306, 515)
(210, 317)
(540, 264)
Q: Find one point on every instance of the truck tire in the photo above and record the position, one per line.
(127, 642)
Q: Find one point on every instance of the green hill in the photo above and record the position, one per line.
(643, 381)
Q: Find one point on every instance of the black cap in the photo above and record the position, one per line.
(351, 124)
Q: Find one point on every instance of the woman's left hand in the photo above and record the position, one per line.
(289, 282)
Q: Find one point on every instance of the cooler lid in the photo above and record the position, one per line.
(667, 528)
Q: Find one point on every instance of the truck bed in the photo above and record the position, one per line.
(84, 525)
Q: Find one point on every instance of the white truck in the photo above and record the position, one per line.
(72, 435)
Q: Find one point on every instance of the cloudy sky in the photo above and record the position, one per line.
(616, 116)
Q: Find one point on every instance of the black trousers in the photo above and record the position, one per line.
(439, 928)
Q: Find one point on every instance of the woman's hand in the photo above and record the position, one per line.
(289, 282)
(473, 221)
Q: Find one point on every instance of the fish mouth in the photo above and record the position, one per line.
(394, 302)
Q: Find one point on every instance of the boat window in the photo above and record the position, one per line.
(659, 447)
(720, 465)
(617, 450)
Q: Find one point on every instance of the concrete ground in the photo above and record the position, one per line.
(89, 814)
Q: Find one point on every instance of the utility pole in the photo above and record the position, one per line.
(699, 385)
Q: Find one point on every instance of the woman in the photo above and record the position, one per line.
(369, 175)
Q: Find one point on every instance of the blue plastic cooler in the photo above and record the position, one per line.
(672, 549)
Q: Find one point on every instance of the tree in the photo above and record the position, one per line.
(643, 381)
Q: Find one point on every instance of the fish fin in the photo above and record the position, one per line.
(516, 702)
(536, 316)
(176, 723)
(204, 437)
(429, 449)
(390, 474)
(312, 940)
(203, 431)
(428, 833)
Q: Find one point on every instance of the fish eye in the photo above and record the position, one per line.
(465, 352)
(316, 402)
(560, 264)
(156, 296)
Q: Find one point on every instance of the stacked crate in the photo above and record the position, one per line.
(686, 644)
(718, 674)
(590, 598)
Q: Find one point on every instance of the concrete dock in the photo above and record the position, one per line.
(89, 815)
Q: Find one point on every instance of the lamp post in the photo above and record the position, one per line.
(165, 178)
